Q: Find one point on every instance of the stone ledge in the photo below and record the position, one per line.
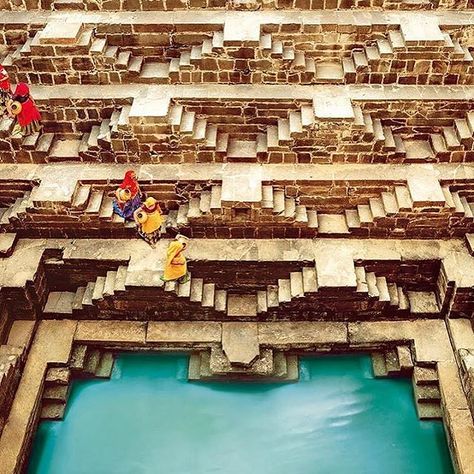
(457, 263)
(183, 332)
(430, 337)
(218, 17)
(287, 334)
(363, 92)
(460, 430)
(452, 393)
(132, 332)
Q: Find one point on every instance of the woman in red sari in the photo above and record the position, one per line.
(128, 196)
(28, 117)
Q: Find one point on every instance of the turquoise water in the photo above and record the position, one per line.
(149, 419)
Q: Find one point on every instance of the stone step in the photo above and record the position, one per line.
(404, 199)
(109, 285)
(120, 278)
(329, 72)
(98, 291)
(216, 196)
(87, 298)
(313, 221)
(418, 150)
(136, 64)
(425, 376)
(427, 393)
(187, 124)
(220, 301)
(53, 411)
(59, 302)
(284, 290)
(392, 363)
(208, 295)
(272, 296)
(196, 291)
(78, 297)
(65, 150)
(92, 361)
(105, 365)
(155, 71)
(78, 356)
(429, 411)
(379, 366)
(405, 358)
(242, 150)
(296, 284)
(332, 224)
(422, 302)
(98, 46)
(241, 305)
(403, 301)
(58, 393)
(382, 287)
(58, 376)
(262, 304)
(361, 280)
(81, 196)
(278, 201)
(372, 287)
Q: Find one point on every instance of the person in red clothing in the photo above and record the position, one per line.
(27, 115)
(5, 89)
(128, 196)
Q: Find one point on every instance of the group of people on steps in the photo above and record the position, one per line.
(130, 202)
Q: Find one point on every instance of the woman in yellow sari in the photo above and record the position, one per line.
(176, 266)
(149, 219)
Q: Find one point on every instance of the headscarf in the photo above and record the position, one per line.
(130, 182)
(151, 205)
(22, 89)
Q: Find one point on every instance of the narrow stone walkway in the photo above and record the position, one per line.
(52, 344)
(218, 17)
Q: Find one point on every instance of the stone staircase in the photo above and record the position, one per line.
(427, 392)
(399, 362)
(269, 365)
(54, 147)
(277, 57)
(239, 303)
(184, 128)
(85, 362)
(195, 207)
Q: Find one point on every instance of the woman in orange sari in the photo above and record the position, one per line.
(176, 266)
(148, 218)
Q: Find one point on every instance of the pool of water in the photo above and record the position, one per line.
(148, 419)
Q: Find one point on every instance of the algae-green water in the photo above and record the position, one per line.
(149, 420)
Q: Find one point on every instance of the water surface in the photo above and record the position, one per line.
(148, 419)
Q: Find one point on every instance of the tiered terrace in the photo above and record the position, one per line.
(322, 162)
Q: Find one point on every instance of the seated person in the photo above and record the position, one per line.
(128, 196)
